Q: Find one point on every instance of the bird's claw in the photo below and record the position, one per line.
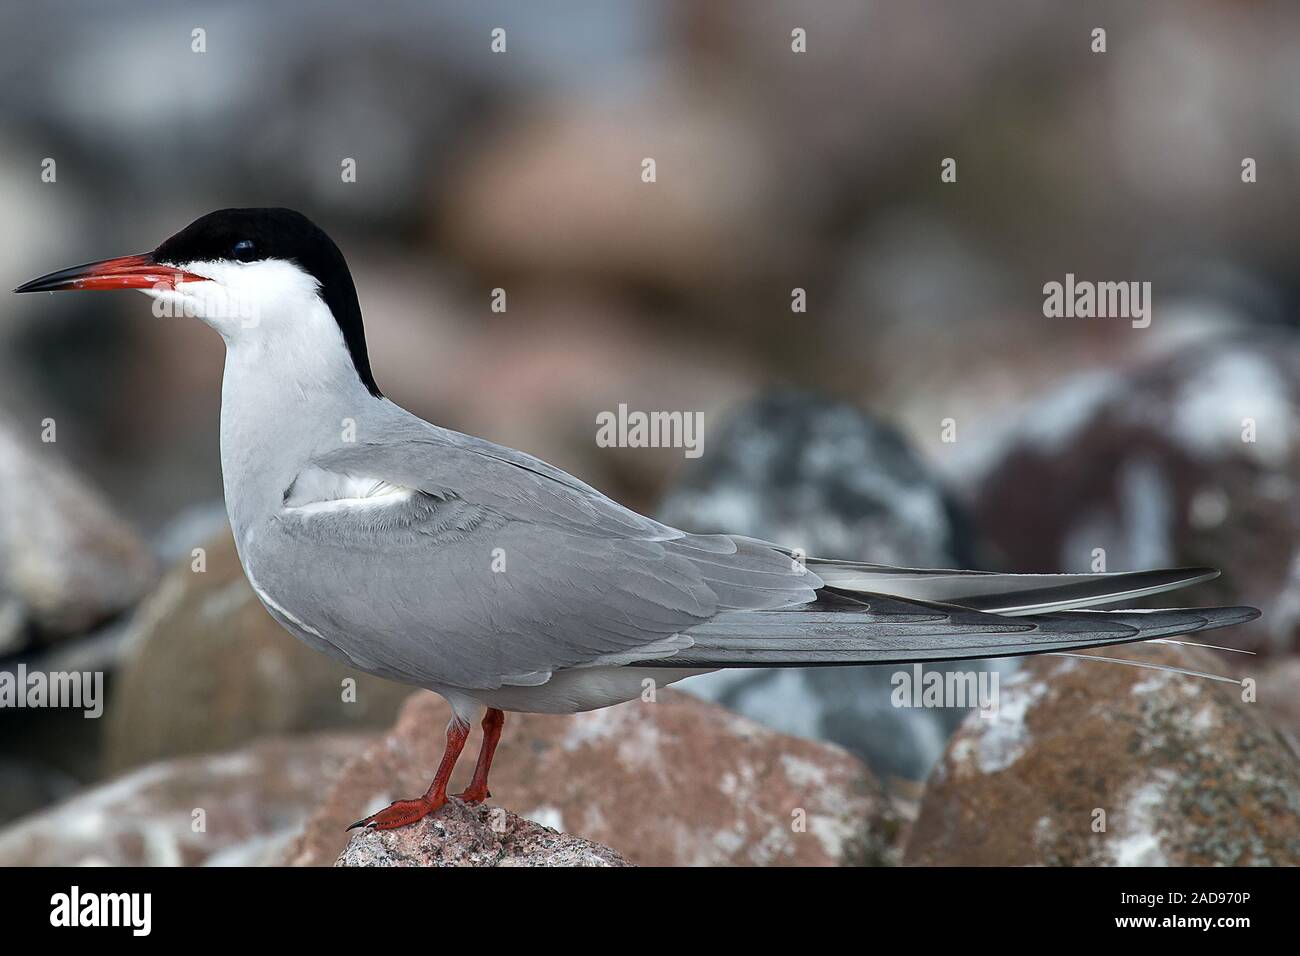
(400, 813)
(474, 794)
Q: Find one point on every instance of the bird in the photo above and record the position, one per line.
(437, 559)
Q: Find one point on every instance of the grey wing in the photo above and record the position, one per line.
(480, 567)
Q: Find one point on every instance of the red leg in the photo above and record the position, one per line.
(402, 812)
(478, 791)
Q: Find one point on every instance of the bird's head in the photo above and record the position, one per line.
(266, 275)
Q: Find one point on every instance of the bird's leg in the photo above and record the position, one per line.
(478, 791)
(402, 812)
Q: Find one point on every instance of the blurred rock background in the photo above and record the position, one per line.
(775, 171)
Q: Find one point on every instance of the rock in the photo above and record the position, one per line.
(813, 473)
(27, 785)
(824, 476)
(461, 835)
(1184, 771)
(1189, 459)
(67, 562)
(1278, 680)
(252, 801)
(902, 102)
(553, 195)
(674, 782)
(205, 668)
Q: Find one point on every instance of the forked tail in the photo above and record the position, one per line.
(872, 614)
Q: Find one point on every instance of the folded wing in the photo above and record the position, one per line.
(491, 567)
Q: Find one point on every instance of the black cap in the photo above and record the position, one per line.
(247, 235)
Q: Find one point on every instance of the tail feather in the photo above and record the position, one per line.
(875, 614)
(885, 629)
(1011, 594)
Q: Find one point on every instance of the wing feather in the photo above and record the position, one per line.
(484, 566)
(500, 568)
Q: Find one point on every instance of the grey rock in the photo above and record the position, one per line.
(26, 785)
(1191, 458)
(483, 835)
(67, 562)
(237, 808)
(824, 476)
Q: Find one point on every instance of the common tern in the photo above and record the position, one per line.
(430, 557)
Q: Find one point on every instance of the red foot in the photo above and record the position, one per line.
(401, 813)
(405, 812)
(478, 791)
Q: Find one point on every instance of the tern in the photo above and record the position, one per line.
(433, 558)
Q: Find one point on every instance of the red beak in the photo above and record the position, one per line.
(126, 272)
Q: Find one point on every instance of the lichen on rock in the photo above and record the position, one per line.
(481, 835)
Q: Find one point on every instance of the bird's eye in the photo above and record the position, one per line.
(245, 251)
